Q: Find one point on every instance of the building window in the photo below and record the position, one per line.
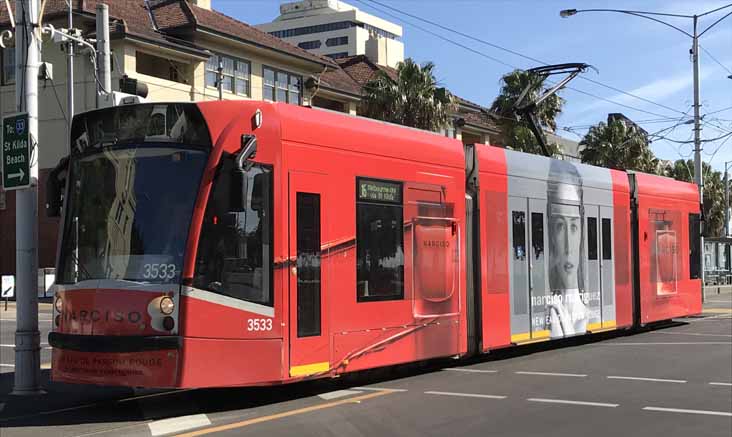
(310, 45)
(379, 240)
(287, 33)
(329, 27)
(339, 41)
(236, 74)
(338, 55)
(280, 86)
(7, 65)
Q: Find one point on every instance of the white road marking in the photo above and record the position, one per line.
(177, 424)
(337, 394)
(725, 384)
(701, 343)
(564, 401)
(681, 410)
(380, 389)
(694, 333)
(575, 375)
(7, 365)
(637, 378)
(464, 395)
(454, 369)
(12, 345)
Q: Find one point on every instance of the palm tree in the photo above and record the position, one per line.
(713, 193)
(618, 145)
(517, 135)
(410, 98)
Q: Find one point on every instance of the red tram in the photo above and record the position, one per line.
(248, 243)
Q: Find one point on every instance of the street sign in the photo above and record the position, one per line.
(16, 152)
(7, 287)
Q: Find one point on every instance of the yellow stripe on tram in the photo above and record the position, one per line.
(309, 369)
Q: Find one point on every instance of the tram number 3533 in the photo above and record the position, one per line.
(259, 325)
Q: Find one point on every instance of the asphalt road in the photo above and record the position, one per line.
(674, 381)
(7, 335)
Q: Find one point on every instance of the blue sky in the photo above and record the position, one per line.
(632, 54)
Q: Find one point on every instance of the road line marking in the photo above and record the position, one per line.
(576, 375)
(7, 365)
(702, 343)
(717, 311)
(464, 395)
(380, 389)
(563, 401)
(271, 417)
(455, 369)
(681, 410)
(337, 394)
(12, 345)
(636, 378)
(725, 384)
(177, 424)
(693, 333)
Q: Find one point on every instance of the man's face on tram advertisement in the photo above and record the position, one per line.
(565, 239)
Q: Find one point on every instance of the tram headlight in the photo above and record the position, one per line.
(58, 304)
(167, 305)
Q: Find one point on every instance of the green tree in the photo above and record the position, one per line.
(713, 193)
(517, 135)
(618, 145)
(411, 98)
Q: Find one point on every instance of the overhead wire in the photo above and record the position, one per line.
(516, 53)
(715, 59)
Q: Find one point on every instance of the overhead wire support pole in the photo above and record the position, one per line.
(104, 71)
(27, 379)
(698, 168)
(70, 77)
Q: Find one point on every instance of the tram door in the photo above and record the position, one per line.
(607, 267)
(593, 287)
(528, 269)
(308, 230)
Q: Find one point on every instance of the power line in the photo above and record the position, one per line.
(719, 110)
(715, 59)
(513, 52)
(505, 63)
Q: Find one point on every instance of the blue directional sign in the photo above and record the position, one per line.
(16, 152)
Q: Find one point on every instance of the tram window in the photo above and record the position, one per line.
(694, 252)
(308, 264)
(379, 240)
(592, 238)
(537, 233)
(607, 248)
(235, 248)
(519, 235)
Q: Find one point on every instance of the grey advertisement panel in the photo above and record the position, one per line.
(558, 265)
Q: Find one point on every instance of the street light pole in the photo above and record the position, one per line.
(698, 168)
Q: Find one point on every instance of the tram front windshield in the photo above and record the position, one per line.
(130, 199)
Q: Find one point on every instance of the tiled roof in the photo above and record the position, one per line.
(227, 25)
(172, 15)
(337, 79)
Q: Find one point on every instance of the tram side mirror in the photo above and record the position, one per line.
(55, 185)
(239, 178)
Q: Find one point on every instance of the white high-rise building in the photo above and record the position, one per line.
(336, 29)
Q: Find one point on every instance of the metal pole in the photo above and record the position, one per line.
(698, 175)
(104, 73)
(220, 78)
(726, 198)
(70, 79)
(27, 337)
